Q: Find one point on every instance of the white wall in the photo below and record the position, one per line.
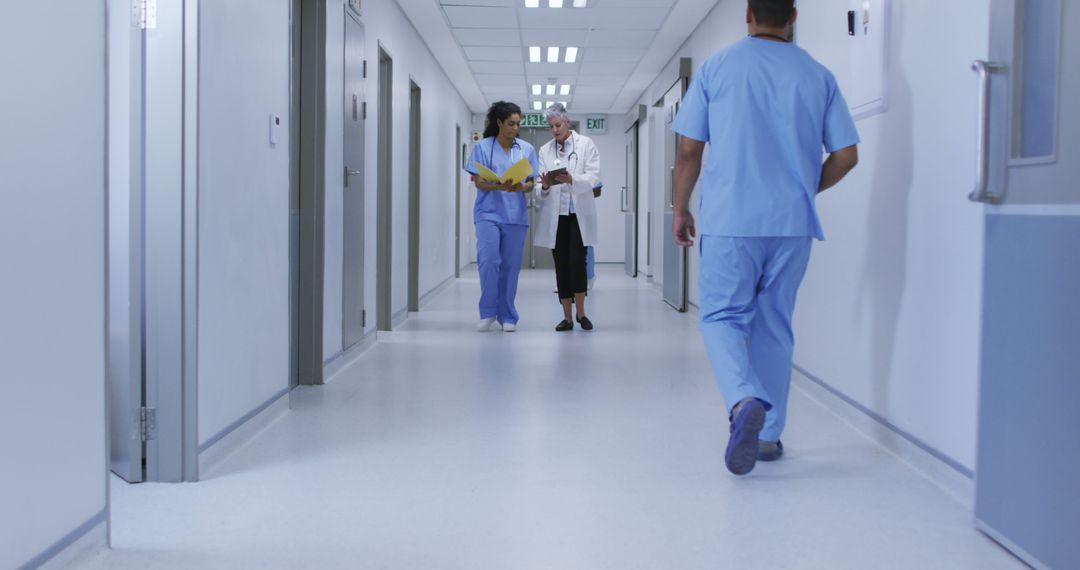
(52, 249)
(611, 227)
(243, 210)
(443, 108)
(889, 311)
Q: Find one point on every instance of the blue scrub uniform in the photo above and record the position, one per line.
(766, 109)
(502, 222)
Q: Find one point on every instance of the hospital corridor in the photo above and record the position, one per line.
(539, 284)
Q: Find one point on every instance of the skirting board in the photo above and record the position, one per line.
(240, 433)
(342, 360)
(84, 542)
(960, 485)
(430, 295)
(399, 318)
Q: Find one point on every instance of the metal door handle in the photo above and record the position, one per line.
(671, 195)
(349, 173)
(982, 144)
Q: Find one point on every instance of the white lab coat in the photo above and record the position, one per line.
(585, 169)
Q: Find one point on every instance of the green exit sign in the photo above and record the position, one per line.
(596, 124)
(534, 121)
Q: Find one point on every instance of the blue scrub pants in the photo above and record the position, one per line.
(499, 248)
(748, 288)
(590, 262)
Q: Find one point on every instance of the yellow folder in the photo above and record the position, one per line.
(515, 174)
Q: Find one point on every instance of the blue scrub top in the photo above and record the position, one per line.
(766, 109)
(502, 207)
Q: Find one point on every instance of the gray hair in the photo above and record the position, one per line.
(557, 110)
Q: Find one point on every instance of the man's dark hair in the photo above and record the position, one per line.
(773, 13)
(499, 111)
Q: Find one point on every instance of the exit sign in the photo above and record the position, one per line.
(596, 124)
(534, 121)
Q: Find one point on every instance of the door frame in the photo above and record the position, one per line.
(384, 244)
(415, 147)
(308, 152)
(634, 121)
(459, 158)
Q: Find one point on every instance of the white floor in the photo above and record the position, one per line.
(443, 448)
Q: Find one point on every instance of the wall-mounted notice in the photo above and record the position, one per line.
(868, 28)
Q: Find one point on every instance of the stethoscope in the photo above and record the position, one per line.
(491, 152)
(573, 152)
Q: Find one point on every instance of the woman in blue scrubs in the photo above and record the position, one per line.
(501, 215)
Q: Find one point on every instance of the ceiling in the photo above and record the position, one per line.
(622, 46)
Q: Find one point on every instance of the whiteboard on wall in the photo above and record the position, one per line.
(869, 41)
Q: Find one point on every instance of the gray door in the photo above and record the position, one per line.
(629, 204)
(1027, 487)
(674, 256)
(352, 319)
(125, 370)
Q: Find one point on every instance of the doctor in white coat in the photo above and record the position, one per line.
(567, 220)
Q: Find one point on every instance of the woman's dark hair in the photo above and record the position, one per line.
(499, 111)
(773, 13)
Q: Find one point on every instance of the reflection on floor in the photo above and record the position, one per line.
(443, 448)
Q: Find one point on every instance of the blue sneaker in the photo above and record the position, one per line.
(769, 450)
(742, 448)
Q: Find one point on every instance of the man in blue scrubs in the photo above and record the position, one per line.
(767, 109)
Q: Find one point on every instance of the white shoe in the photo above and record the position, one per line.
(509, 327)
(592, 280)
(485, 324)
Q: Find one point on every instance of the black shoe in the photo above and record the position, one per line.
(586, 324)
(564, 326)
(769, 450)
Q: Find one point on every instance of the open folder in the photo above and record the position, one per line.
(516, 174)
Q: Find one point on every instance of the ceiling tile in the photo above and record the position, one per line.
(502, 80)
(487, 37)
(477, 17)
(611, 55)
(621, 69)
(620, 38)
(496, 67)
(486, 53)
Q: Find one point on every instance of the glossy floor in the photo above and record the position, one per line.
(447, 448)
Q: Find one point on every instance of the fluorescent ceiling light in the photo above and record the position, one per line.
(536, 89)
(577, 3)
(555, 3)
(533, 3)
(549, 103)
(534, 54)
(551, 89)
(564, 103)
(553, 55)
(537, 106)
(571, 54)
(564, 90)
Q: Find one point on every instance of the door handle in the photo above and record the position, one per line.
(981, 192)
(671, 193)
(349, 173)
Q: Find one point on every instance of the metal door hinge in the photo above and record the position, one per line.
(365, 69)
(144, 14)
(363, 111)
(363, 318)
(148, 423)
